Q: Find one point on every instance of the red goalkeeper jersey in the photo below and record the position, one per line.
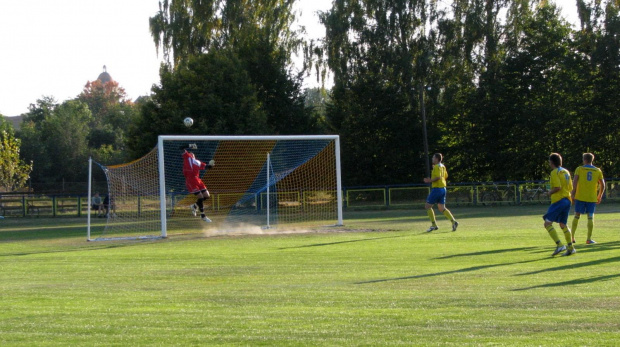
(191, 165)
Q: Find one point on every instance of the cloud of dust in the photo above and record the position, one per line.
(231, 229)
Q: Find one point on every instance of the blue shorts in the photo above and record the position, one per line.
(437, 196)
(582, 207)
(558, 212)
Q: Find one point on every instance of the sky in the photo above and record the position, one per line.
(52, 48)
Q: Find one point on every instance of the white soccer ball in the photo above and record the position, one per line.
(188, 122)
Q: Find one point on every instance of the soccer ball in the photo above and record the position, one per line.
(188, 122)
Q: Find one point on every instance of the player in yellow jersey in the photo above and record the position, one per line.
(561, 187)
(588, 189)
(438, 193)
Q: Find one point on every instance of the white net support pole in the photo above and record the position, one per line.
(162, 186)
(90, 183)
(338, 182)
(268, 190)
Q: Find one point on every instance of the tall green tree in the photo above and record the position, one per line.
(259, 33)
(597, 46)
(535, 96)
(112, 115)
(225, 102)
(381, 53)
(55, 139)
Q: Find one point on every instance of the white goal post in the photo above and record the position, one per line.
(257, 181)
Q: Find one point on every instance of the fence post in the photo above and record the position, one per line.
(475, 195)
(79, 206)
(518, 193)
(54, 202)
(23, 205)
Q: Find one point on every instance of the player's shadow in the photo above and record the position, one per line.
(599, 247)
(571, 282)
(573, 266)
(582, 248)
(494, 251)
(464, 270)
(342, 242)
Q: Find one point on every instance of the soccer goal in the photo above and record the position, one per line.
(256, 182)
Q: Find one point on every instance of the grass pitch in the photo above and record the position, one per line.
(381, 280)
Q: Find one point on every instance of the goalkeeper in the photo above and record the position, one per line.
(191, 171)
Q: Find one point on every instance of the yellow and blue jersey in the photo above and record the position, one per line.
(439, 170)
(560, 177)
(588, 177)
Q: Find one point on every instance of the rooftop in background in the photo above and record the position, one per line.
(15, 121)
(104, 77)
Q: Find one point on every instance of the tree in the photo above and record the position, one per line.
(259, 33)
(56, 141)
(183, 29)
(223, 103)
(380, 53)
(14, 172)
(597, 46)
(31, 135)
(65, 138)
(113, 114)
(102, 98)
(5, 125)
(317, 100)
(535, 97)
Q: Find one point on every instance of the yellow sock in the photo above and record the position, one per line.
(554, 235)
(431, 215)
(590, 227)
(575, 223)
(448, 215)
(568, 236)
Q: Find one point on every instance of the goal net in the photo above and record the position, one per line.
(256, 182)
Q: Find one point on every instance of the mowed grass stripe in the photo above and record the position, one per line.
(380, 280)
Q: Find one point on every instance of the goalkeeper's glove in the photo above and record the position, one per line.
(188, 146)
(211, 163)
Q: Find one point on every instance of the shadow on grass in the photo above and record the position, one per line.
(573, 266)
(19, 254)
(571, 282)
(495, 251)
(464, 270)
(459, 212)
(598, 247)
(107, 244)
(341, 242)
(42, 232)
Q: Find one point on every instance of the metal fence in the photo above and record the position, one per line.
(394, 196)
(462, 194)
